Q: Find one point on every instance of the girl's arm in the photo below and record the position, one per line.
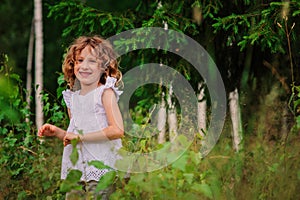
(115, 128)
(69, 113)
(51, 131)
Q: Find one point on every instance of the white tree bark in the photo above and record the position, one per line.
(161, 121)
(235, 114)
(172, 116)
(202, 107)
(38, 24)
(29, 68)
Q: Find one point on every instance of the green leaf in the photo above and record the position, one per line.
(196, 157)
(61, 80)
(274, 167)
(71, 182)
(296, 104)
(106, 180)
(98, 164)
(298, 121)
(74, 155)
(276, 4)
(142, 162)
(179, 7)
(181, 163)
(172, 22)
(188, 177)
(15, 76)
(296, 13)
(204, 189)
(104, 21)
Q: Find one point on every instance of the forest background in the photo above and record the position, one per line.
(255, 45)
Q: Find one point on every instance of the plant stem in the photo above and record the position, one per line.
(287, 32)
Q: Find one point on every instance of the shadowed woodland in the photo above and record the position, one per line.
(255, 46)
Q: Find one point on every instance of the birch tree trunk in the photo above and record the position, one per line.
(172, 117)
(39, 118)
(201, 110)
(29, 68)
(161, 121)
(235, 114)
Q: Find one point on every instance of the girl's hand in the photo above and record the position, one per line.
(47, 130)
(71, 136)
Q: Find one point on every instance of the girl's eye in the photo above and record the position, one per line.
(92, 61)
(88, 61)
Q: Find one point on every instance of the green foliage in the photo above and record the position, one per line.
(11, 104)
(30, 167)
(106, 180)
(9, 92)
(71, 182)
(94, 22)
(261, 26)
(98, 164)
(238, 24)
(74, 176)
(295, 101)
(24, 156)
(183, 179)
(220, 175)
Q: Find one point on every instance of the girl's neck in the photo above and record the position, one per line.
(88, 88)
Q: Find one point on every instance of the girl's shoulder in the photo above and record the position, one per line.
(67, 95)
(109, 84)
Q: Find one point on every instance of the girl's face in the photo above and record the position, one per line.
(87, 68)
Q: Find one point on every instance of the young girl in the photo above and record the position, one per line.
(95, 118)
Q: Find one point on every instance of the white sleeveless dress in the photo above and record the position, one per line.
(88, 115)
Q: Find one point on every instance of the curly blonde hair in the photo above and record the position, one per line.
(103, 51)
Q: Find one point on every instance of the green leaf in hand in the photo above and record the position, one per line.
(74, 155)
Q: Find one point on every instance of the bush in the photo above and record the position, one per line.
(29, 167)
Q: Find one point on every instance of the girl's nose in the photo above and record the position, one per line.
(84, 64)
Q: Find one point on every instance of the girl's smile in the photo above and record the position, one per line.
(84, 74)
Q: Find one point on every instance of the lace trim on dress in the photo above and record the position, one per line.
(67, 95)
(89, 174)
(110, 83)
(96, 174)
